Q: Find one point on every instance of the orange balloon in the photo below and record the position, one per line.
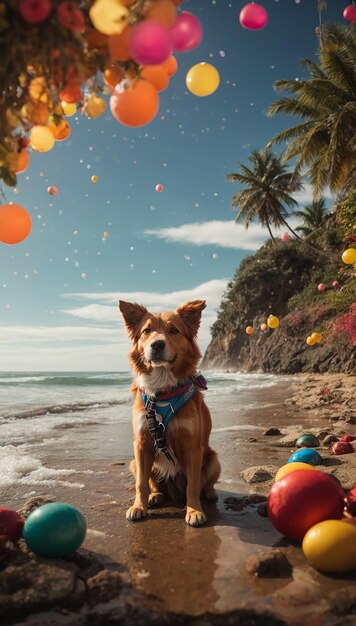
(157, 75)
(163, 11)
(112, 75)
(134, 103)
(15, 223)
(170, 65)
(60, 131)
(71, 93)
(23, 161)
(119, 45)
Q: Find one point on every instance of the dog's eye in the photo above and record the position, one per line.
(146, 331)
(173, 330)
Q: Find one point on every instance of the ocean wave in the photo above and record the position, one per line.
(67, 407)
(27, 470)
(68, 381)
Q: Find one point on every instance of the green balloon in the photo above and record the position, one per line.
(308, 441)
(55, 530)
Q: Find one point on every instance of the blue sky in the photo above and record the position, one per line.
(59, 288)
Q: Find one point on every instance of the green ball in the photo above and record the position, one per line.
(308, 441)
(55, 530)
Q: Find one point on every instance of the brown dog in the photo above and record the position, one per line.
(164, 357)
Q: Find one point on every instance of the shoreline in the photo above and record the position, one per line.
(173, 570)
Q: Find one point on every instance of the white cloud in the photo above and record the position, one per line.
(306, 195)
(225, 234)
(9, 334)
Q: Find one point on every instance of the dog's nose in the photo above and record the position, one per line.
(158, 346)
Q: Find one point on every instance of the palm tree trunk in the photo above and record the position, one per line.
(270, 232)
(308, 245)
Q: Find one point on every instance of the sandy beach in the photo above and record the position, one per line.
(172, 569)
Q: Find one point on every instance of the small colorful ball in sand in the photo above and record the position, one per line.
(310, 341)
(11, 524)
(308, 441)
(330, 546)
(348, 438)
(249, 330)
(273, 321)
(341, 447)
(306, 455)
(301, 499)
(317, 337)
(263, 327)
(55, 530)
(321, 287)
(291, 467)
(335, 283)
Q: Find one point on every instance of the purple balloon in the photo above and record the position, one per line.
(186, 32)
(253, 16)
(150, 43)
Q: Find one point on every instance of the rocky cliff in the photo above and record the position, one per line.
(282, 279)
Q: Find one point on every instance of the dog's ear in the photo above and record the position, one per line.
(133, 314)
(190, 312)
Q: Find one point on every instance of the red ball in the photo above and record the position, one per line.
(321, 287)
(35, 11)
(349, 13)
(348, 438)
(341, 447)
(301, 499)
(11, 524)
(350, 500)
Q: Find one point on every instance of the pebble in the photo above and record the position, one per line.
(269, 564)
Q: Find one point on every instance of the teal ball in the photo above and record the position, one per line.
(55, 530)
(308, 441)
(306, 455)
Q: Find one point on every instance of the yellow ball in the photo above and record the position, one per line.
(69, 108)
(330, 546)
(249, 330)
(292, 467)
(95, 106)
(273, 321)
(41, 138)
(349, 256)
(109, 16)
(310, 341)
(202, 79)
(317, 337)
(94, 179)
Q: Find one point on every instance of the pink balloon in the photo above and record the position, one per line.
(186, 32)
(52, 190)
(150, 43)
(321, 287)
(159, 187)
(350, 13)
(285, 237)
(253, 16)
(335, 283)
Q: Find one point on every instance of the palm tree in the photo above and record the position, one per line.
(324, 143)
(266, 193)
(315, 217)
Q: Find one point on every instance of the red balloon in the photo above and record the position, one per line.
(341, 447)
(11, 524)
(349, 13)
(321, 287)
(348, 438)
(186, 32)
(301, 499)
(253, 16)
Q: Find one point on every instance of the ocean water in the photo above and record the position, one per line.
(89, 414)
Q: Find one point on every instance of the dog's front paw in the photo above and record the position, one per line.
(156, 498)
(135, 513)
(194, 517)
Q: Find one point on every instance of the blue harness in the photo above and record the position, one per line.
(160, 409)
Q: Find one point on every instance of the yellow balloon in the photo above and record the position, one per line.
(202, 79)
(249, 330)
(330, 546)
(69, 108)
(310, 341)
(317, 337)
(95, 106)
(292, 467)
(349, 256)
(94, 179)
(273, 321)
(109, 16)
(41, 138)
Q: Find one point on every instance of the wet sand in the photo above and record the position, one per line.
(199, 571)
